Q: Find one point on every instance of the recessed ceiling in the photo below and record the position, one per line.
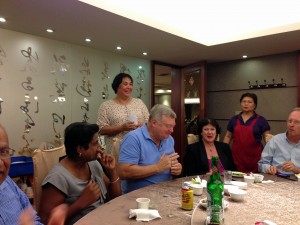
(219, 22)
(73, 21)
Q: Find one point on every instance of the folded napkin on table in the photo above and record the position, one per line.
(268, 222)
(144, 214)
(267, 181)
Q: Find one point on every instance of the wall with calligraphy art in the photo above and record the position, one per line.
(45, 85)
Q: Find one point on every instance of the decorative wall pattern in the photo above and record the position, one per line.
(45, 85)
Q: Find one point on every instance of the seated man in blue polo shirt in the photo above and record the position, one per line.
(147, 154)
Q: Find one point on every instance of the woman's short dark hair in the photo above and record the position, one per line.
(207, 121)
(118, 80)
(79, 134)
(250, 95)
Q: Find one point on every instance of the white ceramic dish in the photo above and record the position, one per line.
(229, 186)
(240, 184)
(237, 194)
(258, 178)
(197, 188)
(249, 179)
(203, 203)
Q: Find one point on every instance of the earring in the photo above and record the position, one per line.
(79, 154)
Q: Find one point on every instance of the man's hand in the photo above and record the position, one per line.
(166, 162)
(272, 170)
(290, 167)
(176, 168)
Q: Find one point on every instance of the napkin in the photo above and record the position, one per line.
(144, 214)
(268, 222)
(267, 181)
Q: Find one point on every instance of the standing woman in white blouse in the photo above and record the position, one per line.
(113, 114)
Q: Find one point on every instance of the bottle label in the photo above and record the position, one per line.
(214, 169)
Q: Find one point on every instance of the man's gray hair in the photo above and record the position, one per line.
(295, 109)
(160, 110)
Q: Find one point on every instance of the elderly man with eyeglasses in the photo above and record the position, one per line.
(13, 201)
(282, 153)
(14, 204)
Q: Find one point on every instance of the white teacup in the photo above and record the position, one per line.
(258, 178)
(249, 179)
(133, 118)
(143, 203)
(198, 189)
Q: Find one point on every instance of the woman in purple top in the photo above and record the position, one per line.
(246, 131)
(197, 159)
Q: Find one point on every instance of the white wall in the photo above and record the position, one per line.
(39, 74)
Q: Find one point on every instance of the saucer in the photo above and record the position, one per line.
(203, 203)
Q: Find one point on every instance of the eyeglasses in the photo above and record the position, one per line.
(295, 122)
(6, 152)
(168, 126)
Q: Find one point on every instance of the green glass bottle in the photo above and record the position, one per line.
(215, 191)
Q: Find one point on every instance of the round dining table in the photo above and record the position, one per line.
(276, 199)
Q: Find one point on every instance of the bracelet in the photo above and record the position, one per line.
(115, 180)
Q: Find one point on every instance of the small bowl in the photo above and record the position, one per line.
(249, 179)
(227, 187)
(237, 194)
(198, 189)
(258, 178)
(240, 184)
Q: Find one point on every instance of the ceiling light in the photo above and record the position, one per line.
(119, 48)
(88, 40)
(2, 19)
(50, 30)
(244, 56)
(145, 53)
(239, 21)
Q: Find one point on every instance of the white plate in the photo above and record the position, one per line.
(203, 203)
(240, 184)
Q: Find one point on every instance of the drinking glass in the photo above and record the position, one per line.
(227, 176)
(215, 215)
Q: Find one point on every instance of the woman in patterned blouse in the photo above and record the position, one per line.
(113, 115)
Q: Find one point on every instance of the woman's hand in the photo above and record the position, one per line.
(128, 126)
(57, 217)
(90, 194)
(107, 160)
